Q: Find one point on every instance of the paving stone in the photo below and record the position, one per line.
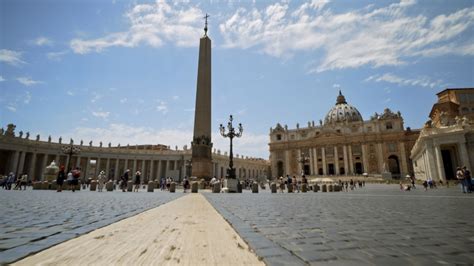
(46, 218)
(375, 225)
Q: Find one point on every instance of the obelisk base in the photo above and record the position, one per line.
(231, 185)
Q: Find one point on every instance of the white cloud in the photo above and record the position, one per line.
(27, 98)
(70, 93)
(27, 81)
(103, 115)
(42, 41)
(175, 97)
(96, 97)
(123, 100)
(250, 144)
(153, 25)
(384, 36)
(2, 79)
(56, 56)
(416, 82)
(162, 107)
(11, 57)
(11, 108)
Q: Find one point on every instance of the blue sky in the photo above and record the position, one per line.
(125, 72)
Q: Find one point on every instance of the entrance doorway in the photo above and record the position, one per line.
(306, 169)
(330, 169)
(394, 166)
(358, 168)
(342, 171)
(450, 161)
(279, 168)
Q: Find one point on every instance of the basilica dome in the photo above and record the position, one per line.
(342, 112)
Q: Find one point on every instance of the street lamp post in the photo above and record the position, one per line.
(70, 150)
(231, 135)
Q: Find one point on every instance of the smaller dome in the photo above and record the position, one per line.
(342, 112)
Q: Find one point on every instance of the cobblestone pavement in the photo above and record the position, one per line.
(33, 220)
(378, 224)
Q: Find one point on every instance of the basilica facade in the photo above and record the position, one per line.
(344, 144)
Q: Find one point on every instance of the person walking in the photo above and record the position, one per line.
(467, 179)
(24, 181)
(101, 179)
(185, 184)
(124, 180)
(70, 180)
(60, 179)
(76, 174)
(460, 177)
(138, 175)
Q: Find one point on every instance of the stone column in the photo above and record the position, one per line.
(336, 160)
(439, 162)
(315, 161)
(365, 160)
(87, 169)
(433, 172)
(159, 166)
(311, 161)
(97, 167)
(31, 170)
(126, 164)
(380, 158)
(403, 158)
(43, 165)
(21, 165)
(134, 167)
(346, 163)
(323, 156)
(167, 168)
(144, 172)
(78, 161)
(351, 161)
(287, 162)
(107, 168)
(464, 155)
(152, 168)
(300, 165)
(14, 163)
(56, 159)
(116, 173)
(68, 158)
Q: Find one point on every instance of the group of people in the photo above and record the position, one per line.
(8, 181)
(72, 178)
(463, 175)
(292, 181)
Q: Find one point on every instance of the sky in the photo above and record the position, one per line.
(125, 71)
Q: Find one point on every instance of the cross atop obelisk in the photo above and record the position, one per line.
(205, 24)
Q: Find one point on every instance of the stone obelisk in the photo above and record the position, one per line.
(202, 144)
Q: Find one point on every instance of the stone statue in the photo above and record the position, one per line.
(297, 125)
(37, 137)
(312, 123)
(21, 134)
(60, 140)
(309, 124)
(2, 131)
(320, 122)
(100, 144)
(90, 143)
(465, 121)
(110, 144)
(118, 146)
(82, 142)
(27, 136)
(428, 124)
(71, 141)
(49, 139)
(443, 119)
(286, 127)
(10, 130)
